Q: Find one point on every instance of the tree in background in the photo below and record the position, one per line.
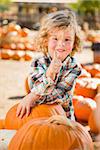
(4, 5)
(89, 10)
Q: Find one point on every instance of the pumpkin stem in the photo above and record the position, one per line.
(61, 120)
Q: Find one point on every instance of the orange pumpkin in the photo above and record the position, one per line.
(83, 108)
(27, 89)
(2, 123)
(6, 46)
(92, 122)
(13, 122)
(98, 114)
(13, 46)
(93, 69)
(13, 27)
(6, 54)
(18, 55)
(86, 87)
(97, 75)
(24, 32)
(28, 55)
(84, 73)
(29, 46)
(76, 98)
(55, 133)
(98, 89)
(20, 46)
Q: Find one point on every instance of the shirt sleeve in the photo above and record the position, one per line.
(37, 80)
(69, 78)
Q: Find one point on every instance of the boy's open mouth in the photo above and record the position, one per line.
(60, 50)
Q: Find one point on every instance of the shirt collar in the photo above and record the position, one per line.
(67, 60)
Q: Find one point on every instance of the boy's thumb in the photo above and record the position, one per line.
(56, 55)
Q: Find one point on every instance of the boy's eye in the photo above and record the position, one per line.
(55, 39)
(67, 40)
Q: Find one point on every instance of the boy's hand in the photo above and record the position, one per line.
(54, 67)
(56, 62)
(25, 106)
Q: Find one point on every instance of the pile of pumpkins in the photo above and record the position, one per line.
(17, 43)
(86, 99)
(94, 36)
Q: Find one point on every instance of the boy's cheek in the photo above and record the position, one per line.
(51, 44)
(69, 47)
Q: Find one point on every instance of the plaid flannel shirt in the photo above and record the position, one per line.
(61, 88)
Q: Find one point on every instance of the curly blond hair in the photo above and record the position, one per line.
(60, 19)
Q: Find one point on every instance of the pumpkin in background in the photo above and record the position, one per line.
(13, 46)
(98, 89)
(55, 133)
(86, 87)
(2, 123)
(5, 45)
(13, 27)
(18, 55)
(6, 54)
(43, 110)
(27, 89)
(92, 122)
(84, 74)
(24, 32)
(93, 69)
(98, 111)
(94, 119)
(97, 75)
(83, 108)
(20, 46)
(76, 98)
(28, 55)
(29, 46)
(4, 31)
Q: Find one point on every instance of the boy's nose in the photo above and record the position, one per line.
(61, 44)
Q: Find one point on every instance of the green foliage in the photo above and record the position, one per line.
(83, 6)
(3, 8)
(4, 5)
(4, 2)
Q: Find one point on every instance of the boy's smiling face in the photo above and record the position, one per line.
(61, 41)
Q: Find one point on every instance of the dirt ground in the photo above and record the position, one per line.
(12, 81)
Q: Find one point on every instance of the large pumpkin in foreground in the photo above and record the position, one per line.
(56, 133)
(13, 122)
